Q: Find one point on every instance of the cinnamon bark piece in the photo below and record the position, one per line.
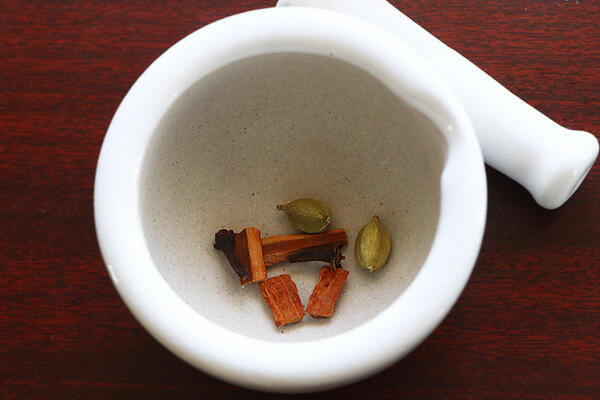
(326, 292)
(281, 294)
(225, 241)
(248, 248)
(324, 246)
(244, 252)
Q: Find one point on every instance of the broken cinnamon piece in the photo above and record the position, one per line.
(324, 246)
(281, 294)
(326, 292)
(244, 252)
(225, 241)
(248, 248)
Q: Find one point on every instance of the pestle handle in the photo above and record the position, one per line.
(550, 161)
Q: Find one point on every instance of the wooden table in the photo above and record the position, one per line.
(526, 327)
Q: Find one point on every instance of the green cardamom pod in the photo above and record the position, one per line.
(307, 215)
(372, 246)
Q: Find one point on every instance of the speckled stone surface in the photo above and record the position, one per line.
(267, 130)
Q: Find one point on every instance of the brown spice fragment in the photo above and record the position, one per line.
(324, 246)
(281, 294)
(248, 248)
(225, 241)
(244, 252)
(326, 292)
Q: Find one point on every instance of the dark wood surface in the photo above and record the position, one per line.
(526, 327)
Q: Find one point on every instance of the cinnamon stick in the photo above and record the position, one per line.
(281, 295)
(244, 252)
(248, 248)
(326, 292)
(324, 246)
(225, 241)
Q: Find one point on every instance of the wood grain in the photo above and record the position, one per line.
(526, 327)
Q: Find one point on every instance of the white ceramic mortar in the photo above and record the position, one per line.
(261, 108)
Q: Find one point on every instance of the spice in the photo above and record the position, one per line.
(281, 295)
(307, 215)
(248, 248)
(244, 252)
(324, 246)
(326, 292)
(225, 241)
(372, 246)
